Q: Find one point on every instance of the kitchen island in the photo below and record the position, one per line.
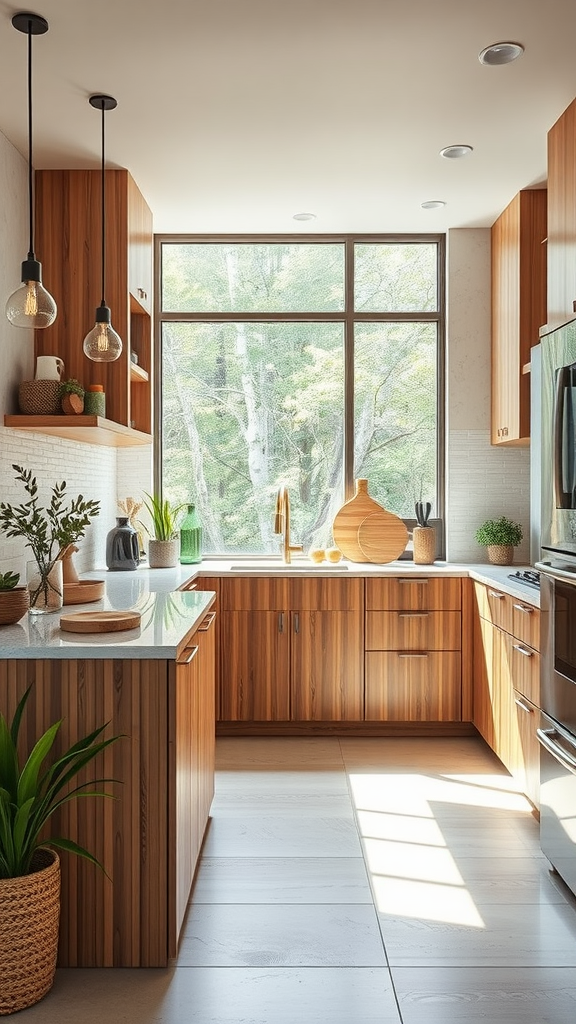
(154, 686)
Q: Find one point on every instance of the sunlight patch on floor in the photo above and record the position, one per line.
(413, 794)
(402, 897)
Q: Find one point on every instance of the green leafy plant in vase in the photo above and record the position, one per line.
(31, 791)
(47, 532)
(163, 547)
(499, 537)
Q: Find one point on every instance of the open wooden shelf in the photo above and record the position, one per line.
(89, 429)
(137, 374)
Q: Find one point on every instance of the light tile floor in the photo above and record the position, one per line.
(356, 881)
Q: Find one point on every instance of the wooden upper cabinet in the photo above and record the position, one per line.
(518, 310)
(562, 219)
(68, 242)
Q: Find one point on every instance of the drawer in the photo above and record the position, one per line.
(526, 624)
(413, 631)
(526, 670)
(413, 593)
(494, 605)
(413, 687)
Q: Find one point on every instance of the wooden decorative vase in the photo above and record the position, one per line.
(424, 544)
(349, 518)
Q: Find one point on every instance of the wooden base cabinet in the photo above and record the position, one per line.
(149, 836)
(292, 650)
(507, 683)
(413, 650)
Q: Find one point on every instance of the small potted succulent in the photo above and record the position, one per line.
(71, 395)
(14, 600)
(499, 537)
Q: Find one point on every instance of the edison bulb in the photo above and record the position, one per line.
(102, 344)
(31, 306)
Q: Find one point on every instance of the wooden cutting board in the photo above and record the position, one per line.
(348, 519)
(99, 622)
(83, 591)
(382, 536)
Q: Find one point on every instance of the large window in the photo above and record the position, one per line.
(306, 362)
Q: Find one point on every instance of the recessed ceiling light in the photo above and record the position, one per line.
(304, 216)
(455, 152)
(500, 53)
(432, 204)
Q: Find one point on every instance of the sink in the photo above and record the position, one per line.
(282, 567)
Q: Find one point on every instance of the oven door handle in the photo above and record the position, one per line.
(558, 574)
(545, 737)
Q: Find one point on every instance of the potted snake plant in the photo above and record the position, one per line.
(32, 788)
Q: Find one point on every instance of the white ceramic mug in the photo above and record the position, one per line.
(49, 368)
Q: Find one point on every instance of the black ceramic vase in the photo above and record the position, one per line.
(122, 548)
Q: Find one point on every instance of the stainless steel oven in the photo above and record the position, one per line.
(557, 730)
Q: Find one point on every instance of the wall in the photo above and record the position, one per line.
(483, 481)
(90, 470)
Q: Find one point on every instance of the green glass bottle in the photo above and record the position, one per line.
(191, 537)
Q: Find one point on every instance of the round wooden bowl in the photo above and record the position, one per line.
(84, 591)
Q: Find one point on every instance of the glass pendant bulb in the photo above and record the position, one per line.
(102, 344)
(31, 305)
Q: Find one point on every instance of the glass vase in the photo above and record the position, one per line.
(45, 587)
(190, 537)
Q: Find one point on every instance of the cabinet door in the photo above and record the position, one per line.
(405, 686)
(140, 247)
(255, 680)
(326, 676)
(526, 767)
(503, 700)
(518, 310)
(484, 668)
(562, 218)
(186, 818)
(205, 721)
(494, 606)
(526, 624)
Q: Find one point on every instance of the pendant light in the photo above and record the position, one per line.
(102, 344)
(31, 305)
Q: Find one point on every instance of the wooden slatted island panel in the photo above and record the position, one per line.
(149, 836)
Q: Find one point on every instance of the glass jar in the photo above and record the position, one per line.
(95, 400)
(45, 587)
(191, 537)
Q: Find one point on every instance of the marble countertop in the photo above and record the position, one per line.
(168, 613)
(167, 616)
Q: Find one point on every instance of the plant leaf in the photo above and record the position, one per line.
(28, 784)
(72, 847)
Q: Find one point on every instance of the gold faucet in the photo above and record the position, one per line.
(282, 524)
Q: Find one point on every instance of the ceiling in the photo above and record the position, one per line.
(233, 115)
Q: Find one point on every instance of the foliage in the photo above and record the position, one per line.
(31, 793)
(46, 531)
(164, 516)
(70, 387)
(9, 580)
(250, 405)
(500, 531)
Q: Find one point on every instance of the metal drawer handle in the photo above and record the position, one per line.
(296, 622)
(281, 622)
(524, 608)
(405, 579)
(520, 703)
(207, 622)
(494, 593)
(413, 615)
(193, 651)
(545, 737)
(522, 650)
(412, 654)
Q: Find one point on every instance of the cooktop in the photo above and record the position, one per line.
(529, 577)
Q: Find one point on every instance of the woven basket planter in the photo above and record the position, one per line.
(500, 554)
(163, 554)
(13, 605)
(29, 919)
(39, 398)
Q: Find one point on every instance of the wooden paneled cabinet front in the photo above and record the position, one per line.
(507, 682)
(292, 650)
(68, 237)
(562, 219)
(413, 650)
(518, 310)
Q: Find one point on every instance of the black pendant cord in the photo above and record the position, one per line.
(103, 303)
(30, 171)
